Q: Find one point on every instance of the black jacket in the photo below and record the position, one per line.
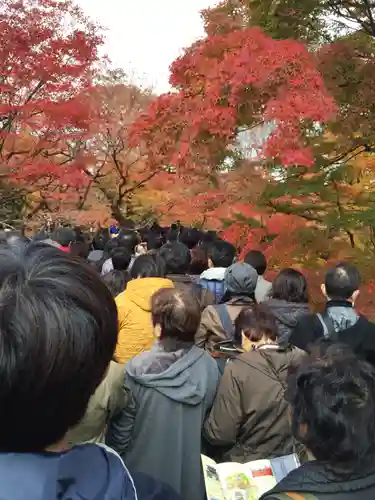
(360, 336)
(318, 479)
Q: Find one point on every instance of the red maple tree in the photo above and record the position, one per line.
(48, 50)
(231, 83)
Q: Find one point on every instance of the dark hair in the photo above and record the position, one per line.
(116, 281)
(128, 238)
(342, 281)
(172, 236)
(190, 237)
(177, 257)
(255, 322)
(221, 253)
(13, 239)
(58, 332)
(80, 249)
(155, 241)
(333, 406)
(64, 236)
(258, 260)
(121, 258)
(177, 312)
(110, 247)
(290, 285)
(199, 261)
(148, 266)
(100, 240)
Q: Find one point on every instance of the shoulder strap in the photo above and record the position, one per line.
(225, 320)
(329, 331)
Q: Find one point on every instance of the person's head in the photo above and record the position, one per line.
(177, 257)
(121, 258)
(257, 260)
(332, 400)
(128, 238)
(290, 285)
(80, 249)
(254, 326)
(100, 240)
(342, 282)
(190, 237)
(172, 235)
(110, 248)
(199, 261)
(116, 281)
(64, 236)
(58, 332)
(221, 254)
(176, 315)
(154, 241)
(148, 266)
(240, 279)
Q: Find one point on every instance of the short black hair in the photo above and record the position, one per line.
(100, 240)
(128, 238)
(116, 281)
(148, 266)
(190, 237)
(177, 257)
(177, 312)
(121, 258)
(111, 245)
(342, 281)
(64, 236)
(154, 241)
(221, 253)
(258, 260)
(333, 405)
(290, 285)
(58, 332)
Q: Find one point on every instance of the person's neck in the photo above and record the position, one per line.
(339, 302)
(59, 447)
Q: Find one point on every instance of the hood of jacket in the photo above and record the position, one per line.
(317, 478)
(342, 314)
(169, 372)
(87, 472)
(287, 313)
(141, 290)
(215, 273)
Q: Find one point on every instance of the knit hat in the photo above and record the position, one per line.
(240, 279)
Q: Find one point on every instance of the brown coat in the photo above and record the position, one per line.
(211, 330)
(249, 418)
(110, 397)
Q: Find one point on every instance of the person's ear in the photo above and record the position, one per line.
(355, 296)
(324, 290)
(157, 332)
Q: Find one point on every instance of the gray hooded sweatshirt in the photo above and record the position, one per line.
(161, 434)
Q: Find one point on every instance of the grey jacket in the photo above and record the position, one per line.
(287, 315)
(173, 391)
(263, 290)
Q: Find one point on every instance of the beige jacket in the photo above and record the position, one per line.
(110, 397)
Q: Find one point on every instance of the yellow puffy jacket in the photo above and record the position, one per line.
(134, 316)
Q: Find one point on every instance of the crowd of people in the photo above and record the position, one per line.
(125, 356)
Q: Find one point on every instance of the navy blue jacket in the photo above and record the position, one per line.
(87, 472)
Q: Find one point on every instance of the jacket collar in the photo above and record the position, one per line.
(338, 303)
(316, 477)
